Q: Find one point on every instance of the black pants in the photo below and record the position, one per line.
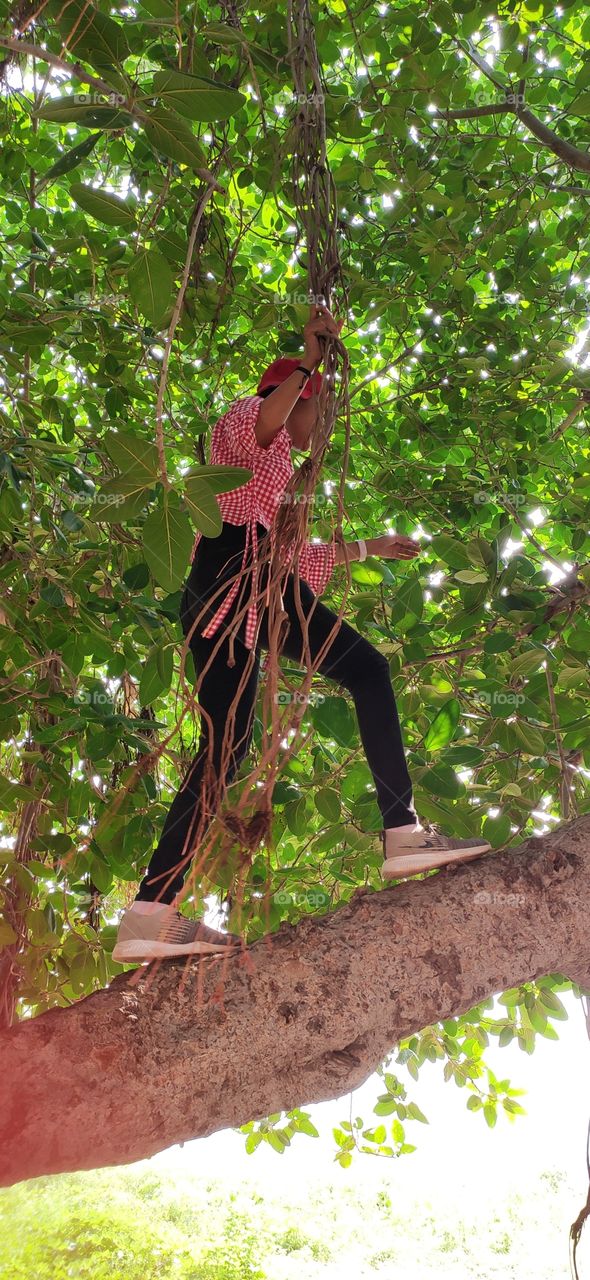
(351, 662)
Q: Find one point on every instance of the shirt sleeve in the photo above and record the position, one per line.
(316, 564)
(238, 429)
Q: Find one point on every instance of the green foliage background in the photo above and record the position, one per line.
(178, 1226)
(464, 248)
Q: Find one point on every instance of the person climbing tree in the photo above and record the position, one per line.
(259, 431)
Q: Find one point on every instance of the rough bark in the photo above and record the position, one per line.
(184, 1050)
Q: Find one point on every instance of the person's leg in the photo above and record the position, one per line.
(353, 662)
(185, 817)
(152, 928)
(187, 820)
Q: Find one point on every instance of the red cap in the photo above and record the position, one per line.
(282, 369)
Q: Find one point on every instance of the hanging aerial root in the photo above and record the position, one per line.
(253, 831)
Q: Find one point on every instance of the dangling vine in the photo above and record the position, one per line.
(249, 819)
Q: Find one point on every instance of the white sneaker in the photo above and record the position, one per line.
(408, 851)
(164, 933)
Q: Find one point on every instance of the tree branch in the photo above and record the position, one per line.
(300, 1017)
(571, 155)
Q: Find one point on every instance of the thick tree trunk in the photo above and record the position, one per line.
(186, 1050)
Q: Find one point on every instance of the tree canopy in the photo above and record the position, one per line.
(154, 262)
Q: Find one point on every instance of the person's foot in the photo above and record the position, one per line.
(164, 933)
(407, 851)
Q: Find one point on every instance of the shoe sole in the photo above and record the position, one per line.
(407, 865)
(126, 951)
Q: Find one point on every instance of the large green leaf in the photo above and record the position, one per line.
(137, 459)
(83, 110)
(72, 158)
(442, 781)
(167, 542)
(170, 134)
(198, 99)
(88, 33)
(120, 498)
(103, 206)
(408, 604)
(202, 506)
(333, 719)
(444, 725)
(151, 283)
(221, 479)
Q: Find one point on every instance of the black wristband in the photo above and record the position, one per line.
(303, 370)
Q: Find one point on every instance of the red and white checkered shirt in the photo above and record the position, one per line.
(234, 443)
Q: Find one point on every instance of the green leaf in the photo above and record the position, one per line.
(88, 33)
(103, 206)
(490, 1114)
(333, 719)
(526, 663)
(497, 830)
(85, 112)
(252, 1142)
(71, 159)
(451, 551)
(443, 726)
(167, 542)
(416, 1114)
(385, 1108)
(408, 604)
(169, 134)
(101, 875)
(151, 283)
(137, 459)
(13, 793)
(120, 499)
(202, 506)
(442, 781)
(157, 674)
(198, 99)
(528, 737)
(220, 479)
(552, 1002)
(327, 802)
(275, 1140)
(471, 576)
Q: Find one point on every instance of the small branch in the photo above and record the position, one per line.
(571, 417)
(571, 155)
(571, 191)
(564, 789)
(44, 55)
(196, 222)
(472, 113)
